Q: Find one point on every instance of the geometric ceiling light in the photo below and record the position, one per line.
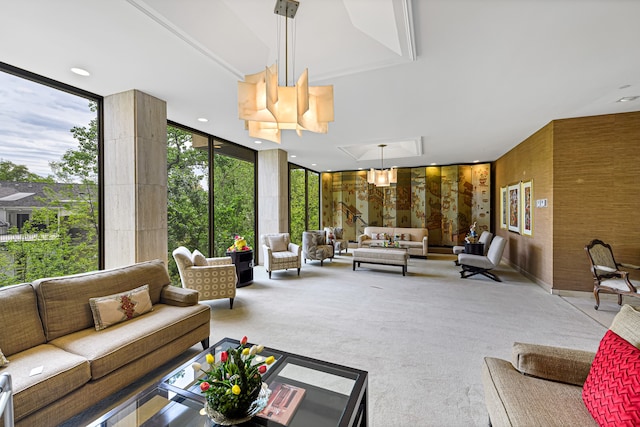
(382, 177)
(267, 108)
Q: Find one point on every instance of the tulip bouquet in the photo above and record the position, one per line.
(233, 385)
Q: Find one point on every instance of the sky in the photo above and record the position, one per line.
(36, 122)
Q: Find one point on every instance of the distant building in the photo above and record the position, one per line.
(18, 200)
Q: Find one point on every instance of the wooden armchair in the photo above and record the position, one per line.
(213, 278)
(607, 274)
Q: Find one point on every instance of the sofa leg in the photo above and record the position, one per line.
(205, 343)
(298, 271)
(321, 263)
(230, 303)
(269, 275)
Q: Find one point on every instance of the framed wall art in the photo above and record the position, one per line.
(513, 192)
(504, 207)
(527, 208)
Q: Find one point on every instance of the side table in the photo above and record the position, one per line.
(474, 248)
(243, 261)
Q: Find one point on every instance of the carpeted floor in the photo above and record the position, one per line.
(421, 337)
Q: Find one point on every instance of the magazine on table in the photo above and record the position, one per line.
(283, 403)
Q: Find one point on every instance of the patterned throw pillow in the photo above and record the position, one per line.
(405, 237)
(612, 389)
(3, 360)
(112, 309)
(199, 259)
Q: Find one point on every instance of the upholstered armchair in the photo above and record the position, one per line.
(213, 278)
(279, 253)
(315, 246)
(335, 237)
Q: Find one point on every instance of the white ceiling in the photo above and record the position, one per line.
(452, 81)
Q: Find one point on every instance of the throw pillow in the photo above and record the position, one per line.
(277, 243)
(3, 360)
(405, 237)
(112, 309)
(199, 259)
(611, 392)
(338, 232)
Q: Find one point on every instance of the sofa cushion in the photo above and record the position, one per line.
(612, 389)
(20, 325)
(114, 347)
(627, 325)
(277, 243)
(61, 374)
(514, 399)
(3, 360)
(64, 301)
(199, 259)
(112, 309)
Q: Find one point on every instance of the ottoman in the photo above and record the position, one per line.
(384, 256)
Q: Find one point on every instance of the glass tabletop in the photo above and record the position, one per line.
(156, 407)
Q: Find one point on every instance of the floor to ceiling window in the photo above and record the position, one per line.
(49, 178)
(187, 192)
(234, 201)
(304, 201)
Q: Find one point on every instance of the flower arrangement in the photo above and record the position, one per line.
(232, 385)
(472, 236)
(239, 244)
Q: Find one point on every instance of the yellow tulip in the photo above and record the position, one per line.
(270, 360)
(209, 358)
(245, 351)
(235, 389)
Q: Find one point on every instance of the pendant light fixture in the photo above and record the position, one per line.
(267, 108)
(382, 177)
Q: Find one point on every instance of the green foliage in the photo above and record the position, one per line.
(234, 214)
(304, 202)
(187, 196)
(62, 237)
(9, 171)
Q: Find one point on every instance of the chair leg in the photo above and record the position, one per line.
(205, 343)
(230, 303)
(596, 292)
(321, 263)
(269, 275)
(619, 299)
(298, 271)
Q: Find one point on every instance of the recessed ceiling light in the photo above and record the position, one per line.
(80, 71)
(628, 98)
(328, 170)
(359, 169)
(203, 120)
(476, 161)
(293, 155)
(314, 164)
(433, 164)
(217, 146)
(257, 142)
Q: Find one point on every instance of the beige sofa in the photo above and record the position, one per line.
(417, 243)
(542, 385)
(49, 324)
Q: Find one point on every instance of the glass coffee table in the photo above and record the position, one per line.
(307, 393)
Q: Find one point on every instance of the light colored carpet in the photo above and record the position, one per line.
(421, 337)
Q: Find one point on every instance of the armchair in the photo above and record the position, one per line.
(485, 239)
(316, 247)
(279, 253)
(213, 278)
(479, 264)
(335, 237)
(607, 274)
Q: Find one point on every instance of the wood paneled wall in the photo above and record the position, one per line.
(588, 169)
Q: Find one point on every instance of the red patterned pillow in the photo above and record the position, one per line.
(612, 389)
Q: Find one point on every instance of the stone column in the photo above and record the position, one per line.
(273, 194)
(135, 178)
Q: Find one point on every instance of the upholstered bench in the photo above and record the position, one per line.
(385, 256)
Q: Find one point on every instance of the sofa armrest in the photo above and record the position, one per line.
(181, 297)
(362, 238)
(425, 245)
(560, 364)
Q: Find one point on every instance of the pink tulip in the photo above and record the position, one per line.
(204, 386)
(244, 339)
(262, 369)
(224, 356)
